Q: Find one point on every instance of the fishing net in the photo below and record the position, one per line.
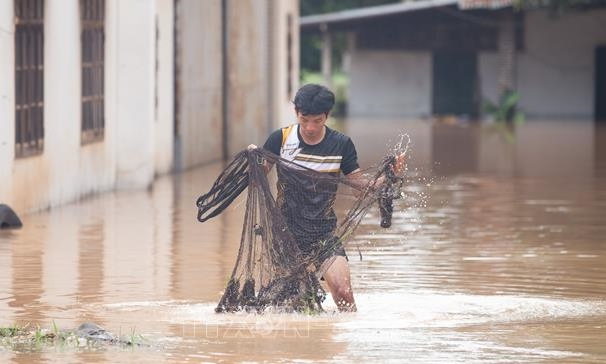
(283, 245)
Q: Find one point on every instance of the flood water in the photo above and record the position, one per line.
(496, 254)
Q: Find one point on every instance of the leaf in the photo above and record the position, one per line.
(510, 100)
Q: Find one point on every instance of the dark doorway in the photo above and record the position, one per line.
(600, 84)
(454, 83)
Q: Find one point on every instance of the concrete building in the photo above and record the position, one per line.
(446, 57)
(97, 95)
(235, 79)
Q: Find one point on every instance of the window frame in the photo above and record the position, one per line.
(92, 40)
(29, 77)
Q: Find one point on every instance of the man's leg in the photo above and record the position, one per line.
(338, 279)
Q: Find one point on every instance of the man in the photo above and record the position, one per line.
(310, 215)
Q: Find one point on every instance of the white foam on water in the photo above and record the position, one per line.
(419, 325)
(394, 309)
(431, 326)
(137, 305)
(439, 309)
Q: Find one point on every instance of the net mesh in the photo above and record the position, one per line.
(283, 242)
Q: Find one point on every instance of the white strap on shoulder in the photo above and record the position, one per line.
(290, 142)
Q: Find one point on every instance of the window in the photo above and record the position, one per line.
(92, 16)
(29, 77)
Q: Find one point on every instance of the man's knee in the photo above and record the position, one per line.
(338, 266)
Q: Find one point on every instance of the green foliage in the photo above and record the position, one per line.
(311, 44)
(311, 52)
(310, 7)
(505, 115)
(308, 76)
(506, 109)
(135, 338)
(10, 331)
(340, 82)
(35, 338)
(39, 335)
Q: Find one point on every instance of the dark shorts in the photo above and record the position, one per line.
(327, 257)
(338, 249)
(324, 250)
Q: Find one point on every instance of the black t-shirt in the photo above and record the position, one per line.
(307, 205)
(335, 145)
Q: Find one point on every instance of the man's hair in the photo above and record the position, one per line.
(314, 99)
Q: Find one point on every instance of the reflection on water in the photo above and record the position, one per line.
(496, 254)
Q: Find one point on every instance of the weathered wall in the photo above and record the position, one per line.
(555, 71)
(257, 95)
(62, 108)
(247, 73)
(282, 108)
(67, 170)
(139, 140)
(164, 105)
(199, 85)
(258, 51)
(390, 83)
(7, 100)
(134, 50)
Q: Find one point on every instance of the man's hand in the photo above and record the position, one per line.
(399, 164)
(266, 166)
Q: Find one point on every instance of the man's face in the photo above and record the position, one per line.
(311, 126)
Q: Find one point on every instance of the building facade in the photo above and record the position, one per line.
(448, 57)
(97, 95)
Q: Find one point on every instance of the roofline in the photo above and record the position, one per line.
(371, 12)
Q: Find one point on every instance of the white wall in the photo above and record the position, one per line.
(555, 71)
(134, 50)
(7, 100)
(199, 82)
(252, 76)
(62, 98)
(247, 73)
(64, 171)
(138, 138)
(390, 83)
(139, 129)
(283, 107)
(98, 161)
(164, 88)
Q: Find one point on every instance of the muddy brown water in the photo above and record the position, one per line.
(497, 254)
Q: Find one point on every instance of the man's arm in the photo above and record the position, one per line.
(356, 177)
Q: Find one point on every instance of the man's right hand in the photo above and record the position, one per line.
(400, 163)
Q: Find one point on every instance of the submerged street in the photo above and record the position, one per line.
(496, 254)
